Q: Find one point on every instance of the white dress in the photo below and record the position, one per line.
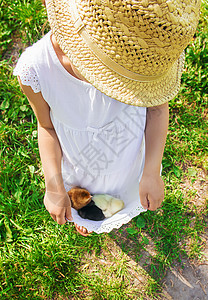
(102, 139)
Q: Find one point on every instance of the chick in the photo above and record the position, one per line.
(79, 197)
(91, 212)
(108, 204)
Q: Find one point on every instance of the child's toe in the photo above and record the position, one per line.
(82, 230)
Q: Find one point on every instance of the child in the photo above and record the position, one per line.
(99, 85)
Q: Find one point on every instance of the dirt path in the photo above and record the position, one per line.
(189, 282)
(184, 281)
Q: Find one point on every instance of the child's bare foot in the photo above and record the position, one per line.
(82, 230)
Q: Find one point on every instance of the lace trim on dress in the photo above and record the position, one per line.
(27, 76)
(114, 225)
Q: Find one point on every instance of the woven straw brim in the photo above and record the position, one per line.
(125, 90)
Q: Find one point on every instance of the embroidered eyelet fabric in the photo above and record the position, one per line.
(102, 140)
(27, 74)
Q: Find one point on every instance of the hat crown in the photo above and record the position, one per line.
(144, 37)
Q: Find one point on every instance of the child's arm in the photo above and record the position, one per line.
(151, 187)
(56, 199)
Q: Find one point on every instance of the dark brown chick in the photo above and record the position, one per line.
(79, 197)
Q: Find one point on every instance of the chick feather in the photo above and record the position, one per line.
(108, 204)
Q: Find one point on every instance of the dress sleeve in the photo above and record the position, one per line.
(26, 71)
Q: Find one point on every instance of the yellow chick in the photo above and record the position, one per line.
(108, 204)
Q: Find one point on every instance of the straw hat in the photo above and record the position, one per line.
(131, 50)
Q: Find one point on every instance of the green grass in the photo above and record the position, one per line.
(20, 18)
(42, 260)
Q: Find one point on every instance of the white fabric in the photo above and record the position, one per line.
(102, 139)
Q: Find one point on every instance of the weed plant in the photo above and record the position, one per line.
(40, 259)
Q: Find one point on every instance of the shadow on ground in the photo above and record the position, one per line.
(184, 280)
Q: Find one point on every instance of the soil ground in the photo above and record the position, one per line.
(186, 280)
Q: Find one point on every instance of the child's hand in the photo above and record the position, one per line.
(58, 205)
(151, 191)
